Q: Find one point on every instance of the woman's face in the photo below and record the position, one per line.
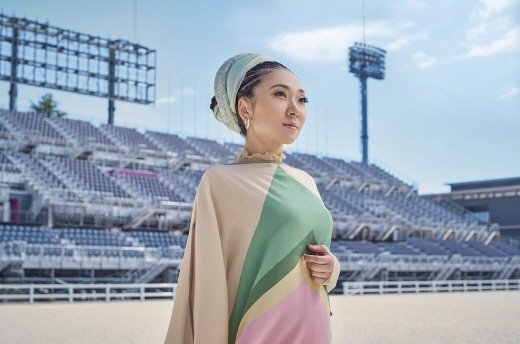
(277, 110)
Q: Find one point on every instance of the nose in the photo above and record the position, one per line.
(293, 109)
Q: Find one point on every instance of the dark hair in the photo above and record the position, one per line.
(248, 85)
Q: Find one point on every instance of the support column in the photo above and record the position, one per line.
(364, 122)
(111, 82)
(13, 89)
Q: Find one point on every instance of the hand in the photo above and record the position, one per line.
(320, 265)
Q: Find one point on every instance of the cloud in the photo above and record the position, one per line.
(329, 44)
(423, 60)
(176, 95)
(507, 42)
(398, 44)
(404, 41)
(509, 92)
(416, 4)
(494, 29)
(487, 8)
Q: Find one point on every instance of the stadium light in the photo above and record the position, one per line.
(38, 54)
(366, 61)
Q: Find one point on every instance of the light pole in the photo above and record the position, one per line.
(366, 61)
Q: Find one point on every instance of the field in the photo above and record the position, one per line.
(486, 317)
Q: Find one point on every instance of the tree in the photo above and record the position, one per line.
(47, 107)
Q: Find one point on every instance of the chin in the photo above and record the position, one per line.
(289, 140)
(286, 138)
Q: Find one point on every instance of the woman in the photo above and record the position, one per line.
(257, 267)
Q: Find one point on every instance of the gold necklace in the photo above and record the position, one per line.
(243, 154)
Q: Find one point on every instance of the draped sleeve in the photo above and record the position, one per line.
(200, 310)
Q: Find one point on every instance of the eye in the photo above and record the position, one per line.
(302, 100)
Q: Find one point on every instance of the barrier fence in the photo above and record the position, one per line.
(117, 292)
(401, 287)
(85, 292)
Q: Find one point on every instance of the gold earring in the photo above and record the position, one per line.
(247, 122)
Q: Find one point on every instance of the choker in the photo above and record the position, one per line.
(243, 154)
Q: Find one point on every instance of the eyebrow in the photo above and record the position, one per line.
(286, 87)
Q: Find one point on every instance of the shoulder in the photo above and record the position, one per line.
(299, 172)
(210, 174)
(302, 176)
(209, 178)
(215, 173)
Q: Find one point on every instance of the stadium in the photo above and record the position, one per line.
(86, 204)
(102, 212)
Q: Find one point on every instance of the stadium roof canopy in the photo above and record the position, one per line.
(485, 184)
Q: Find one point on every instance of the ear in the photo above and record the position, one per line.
(243, 106)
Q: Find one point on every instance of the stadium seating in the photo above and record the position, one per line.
(84, 133)
(364, 193)
(158, 239)
(210, 148)
(28, 234)
(33, 126)
(172, 143)
(428, 247)
(7, 165)
(155, 239)
(377, 172)
(124, 190)
(129, 138)
(4, 132)
(184, 183)
(313, 164)
(146, 183)
(84, 175)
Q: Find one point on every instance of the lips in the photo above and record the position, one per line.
(291, 125)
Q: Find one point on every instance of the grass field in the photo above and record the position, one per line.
(486, 317)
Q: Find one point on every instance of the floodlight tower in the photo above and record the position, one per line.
(38, 54)
(366, 61)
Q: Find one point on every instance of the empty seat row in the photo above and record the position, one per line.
(132, 243)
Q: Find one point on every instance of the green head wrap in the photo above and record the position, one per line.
(227, 81)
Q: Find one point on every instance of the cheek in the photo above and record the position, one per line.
(304, 118)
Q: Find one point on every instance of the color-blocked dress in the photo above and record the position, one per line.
(243, 278)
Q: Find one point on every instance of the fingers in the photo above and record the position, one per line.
(320, 277)
(317, 249)
(318, 259)
(319, 267)
(320, 263)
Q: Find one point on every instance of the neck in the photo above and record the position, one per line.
(244, 155)
(253, 146)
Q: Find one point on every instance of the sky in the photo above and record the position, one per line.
(447, 111)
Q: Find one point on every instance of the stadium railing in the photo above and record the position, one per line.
(401, 287)
(85, 292)
(119, 292)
